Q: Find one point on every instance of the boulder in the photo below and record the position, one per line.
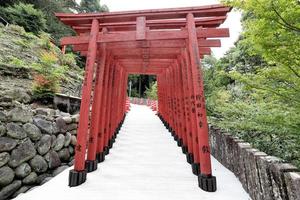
(3, 116)
(23, 170)
(7, 144)
(71, 163)
(64, 154)
(71, 150)
(63, 114)
(2, 130)
(53, 140)
(21, 114)
(42, 177)
(38, 164)
(73, 140)
(45, 111)
(6, 105)
(59, 143)
(10, 189)
(6, 176)
(4, 158)
(46, 180)
(59, 170)
(24, 152)
(44, 125)
(19, 94)
(75, 118)
(67, 139)
(5, 98)
(43, 146)
(71, 127)
(61, 124)
(67, 119)
(55, 128)
(30, 179)
(23, 189)
(33, 132)
(53, 159)
(15, 131)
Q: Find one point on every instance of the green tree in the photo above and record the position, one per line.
(272, 29)
(92, 6)
(26, 15)
(261, 102)
(151, 92)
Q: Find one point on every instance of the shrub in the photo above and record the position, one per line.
(68, 59)
(45, 41)
(26, 15)
(17, 62)
(151, 92)
(47, 77)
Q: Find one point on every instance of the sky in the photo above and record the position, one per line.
(232, 22)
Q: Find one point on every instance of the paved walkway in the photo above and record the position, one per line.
(145, 163)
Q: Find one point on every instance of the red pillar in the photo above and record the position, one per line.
(103, 117)
(108, 107)
(78, 175)
(91, 163)
(206, 181)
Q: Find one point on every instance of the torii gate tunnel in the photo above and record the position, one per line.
(168, 43)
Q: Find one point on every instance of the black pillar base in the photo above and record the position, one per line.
(196, 168)
(76, 177)
(91, 165)
(176, 137)
(207, 183)
(114, 137)
(100, 157)
(110, 144)
(167, 126)
(179, 142)
(106, 150)
(190, 158)
(184, 149)
(171, 131)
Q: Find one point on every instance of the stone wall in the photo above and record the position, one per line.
(35, 145)
(264, 177)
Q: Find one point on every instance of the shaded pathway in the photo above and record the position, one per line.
(145, 163)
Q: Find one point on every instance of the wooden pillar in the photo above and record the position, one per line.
(91, 163)
(107, 125)
(101, 138)
(206, 181)
(78, 175)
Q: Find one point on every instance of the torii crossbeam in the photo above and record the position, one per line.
(168, 43)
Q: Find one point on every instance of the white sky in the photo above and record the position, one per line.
(232, 22)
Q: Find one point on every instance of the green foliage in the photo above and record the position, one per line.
(52, 25)
(254, 90)
(48, 76)
(26, 15)
(151, 92)
(256, 100)
(92, 6)
(68, 59)
(272, 29)
(17, 62)
(140, 84)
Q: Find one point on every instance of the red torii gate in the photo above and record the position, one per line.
(168, 43)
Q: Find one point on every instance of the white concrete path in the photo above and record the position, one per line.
(144, 164)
